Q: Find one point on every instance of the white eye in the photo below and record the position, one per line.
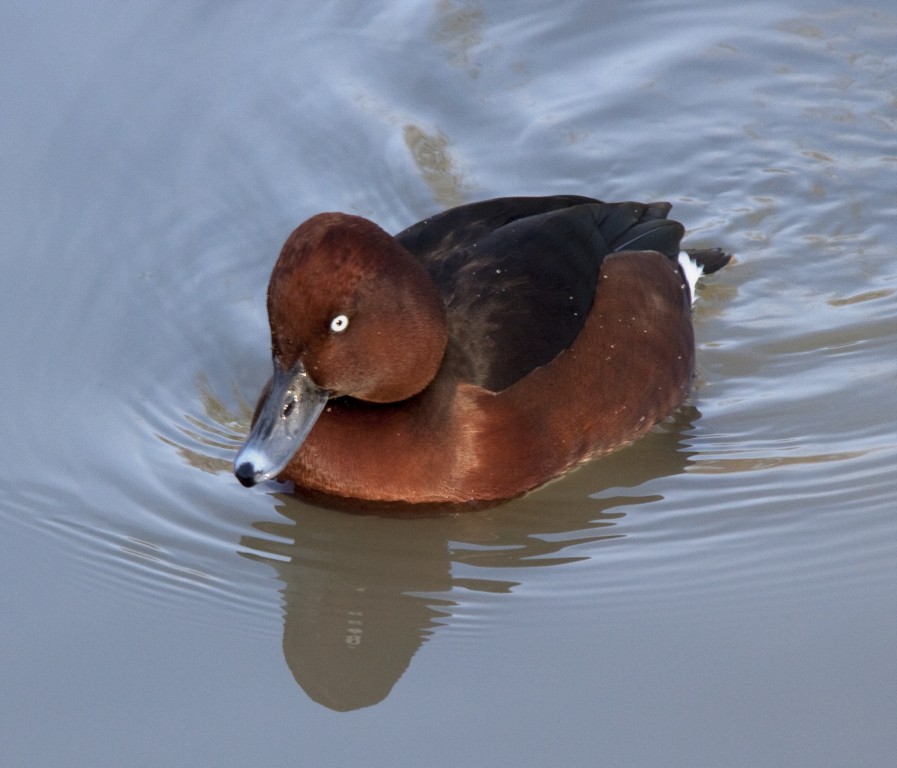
(339, 323)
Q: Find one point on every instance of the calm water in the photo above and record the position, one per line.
(723, 593)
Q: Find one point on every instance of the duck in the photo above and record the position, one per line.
(474, 356)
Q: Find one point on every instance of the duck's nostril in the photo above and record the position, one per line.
(245, 474)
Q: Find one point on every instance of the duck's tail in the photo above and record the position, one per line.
(706, 261)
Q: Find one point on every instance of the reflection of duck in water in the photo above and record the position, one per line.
(352, 620)
(476, 355)
(362, 593)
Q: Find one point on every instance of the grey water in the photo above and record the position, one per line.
(722, 593)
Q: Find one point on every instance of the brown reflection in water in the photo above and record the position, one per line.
(431, 153)
(351, 619)
(210, 443)
(458, 28)
(362, 593)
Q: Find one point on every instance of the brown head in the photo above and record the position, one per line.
(352, 313)
(357, 309)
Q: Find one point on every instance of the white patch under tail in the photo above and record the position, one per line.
(692, 271)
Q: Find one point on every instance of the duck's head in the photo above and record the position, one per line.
(352, 313)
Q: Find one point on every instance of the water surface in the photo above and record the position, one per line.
(724, 592)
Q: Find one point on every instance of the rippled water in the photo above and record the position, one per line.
(724, 592)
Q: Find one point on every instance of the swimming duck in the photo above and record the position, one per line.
(475, 355)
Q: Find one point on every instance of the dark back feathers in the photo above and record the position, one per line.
(518, 275)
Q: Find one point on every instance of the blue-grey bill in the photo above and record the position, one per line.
(290, 410)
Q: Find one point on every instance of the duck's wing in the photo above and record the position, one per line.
(448, 232)
(518, 275)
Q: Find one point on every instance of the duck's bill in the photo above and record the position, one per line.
(290, 410)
